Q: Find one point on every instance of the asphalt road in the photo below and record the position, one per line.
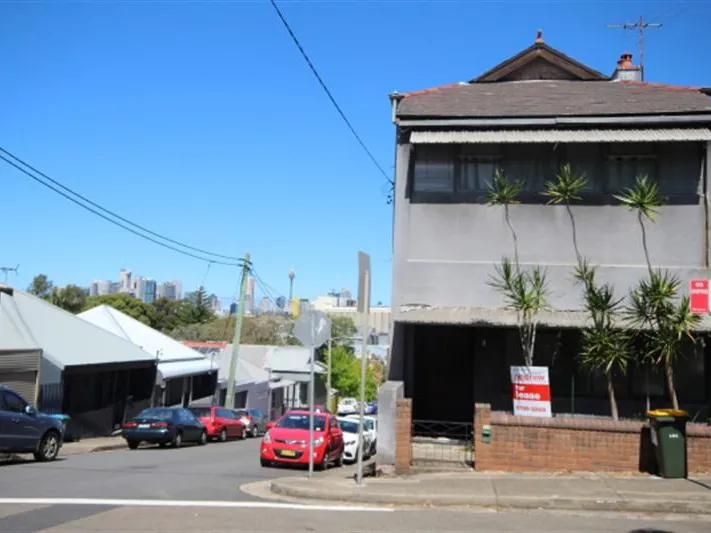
(198, 489)
(212, 472)
(66, 518)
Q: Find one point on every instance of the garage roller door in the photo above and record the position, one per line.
(23, 383)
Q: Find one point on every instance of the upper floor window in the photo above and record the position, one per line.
(434, 169)
(476, 172)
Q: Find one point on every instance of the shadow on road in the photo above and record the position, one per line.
(700, 484)
(15, 461)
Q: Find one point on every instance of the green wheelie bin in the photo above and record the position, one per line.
(668, 433)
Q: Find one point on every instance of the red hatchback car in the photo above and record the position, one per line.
(222, 424)
(287, 441)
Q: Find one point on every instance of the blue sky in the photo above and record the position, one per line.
(201, 121)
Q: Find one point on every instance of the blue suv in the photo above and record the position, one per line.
(24, 430)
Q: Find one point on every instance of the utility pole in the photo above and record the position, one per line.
(328, 375)
(230, 393)
(641, 25)
(7, 270)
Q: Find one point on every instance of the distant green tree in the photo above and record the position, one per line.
(70, 298)
(197, 308)
(169, 314)
(345, 374)
(41, 286)
(125, 303)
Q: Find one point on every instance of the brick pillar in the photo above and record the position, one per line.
(403, 435)
(482, 451)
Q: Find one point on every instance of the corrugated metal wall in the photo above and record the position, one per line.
(18, 370)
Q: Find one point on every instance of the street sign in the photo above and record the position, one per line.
(312, 328)
(363, 283)
(531, 391)
(699, 296)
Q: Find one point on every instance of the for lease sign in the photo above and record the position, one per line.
(531, 391)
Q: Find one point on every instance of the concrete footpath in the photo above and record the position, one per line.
(510, 491)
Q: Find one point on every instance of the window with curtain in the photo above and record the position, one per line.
(476, 173)
(433, 169)
(623, 171)
(585, 160)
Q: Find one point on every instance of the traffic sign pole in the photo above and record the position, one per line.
(364, 308)
(312, 351)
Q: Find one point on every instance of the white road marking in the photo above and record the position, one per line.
(191, 503)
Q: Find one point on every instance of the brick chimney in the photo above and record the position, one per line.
(626, 70)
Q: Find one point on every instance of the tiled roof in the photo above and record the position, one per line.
(553, 98)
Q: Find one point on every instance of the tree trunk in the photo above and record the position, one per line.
(514, 237)
(644, 243)
(573, 227)
(670, 384)
(613, 399)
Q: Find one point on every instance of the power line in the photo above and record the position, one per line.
(641, 26)
(101, 208)
(112, 221)
(328, 92)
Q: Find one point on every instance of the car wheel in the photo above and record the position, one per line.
(178, 440)
(133, 444)
(322, 465)
(162, 444)
(339, 461)
(255, 431)
(223, 435)
(203, 438)
(265, 463)
(48, 448)
(244, 433)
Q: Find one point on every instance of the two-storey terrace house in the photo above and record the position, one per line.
(454, 339)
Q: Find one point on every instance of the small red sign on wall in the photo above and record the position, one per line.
(699, 296)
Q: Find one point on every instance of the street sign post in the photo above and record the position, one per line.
(312, 329)
(699, 296)
(364, 309)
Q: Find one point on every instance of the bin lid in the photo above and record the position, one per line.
(658, 413)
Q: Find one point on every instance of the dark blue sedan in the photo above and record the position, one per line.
(164, 426)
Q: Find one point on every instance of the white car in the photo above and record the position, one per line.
(347, 406)
(370, 427)
(349, 426)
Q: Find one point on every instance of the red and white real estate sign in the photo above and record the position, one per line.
(531, 391)
(699, 296)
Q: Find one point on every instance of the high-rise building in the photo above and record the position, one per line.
(125, 276)
(281, 302)
(100, 287)
(144, 289)
(173, 290)
(265, 305)
(233, 309)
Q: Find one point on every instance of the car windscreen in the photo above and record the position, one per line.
(156, 414)
(201, 412)
(349, 426)
(301, 422)
(369, 424)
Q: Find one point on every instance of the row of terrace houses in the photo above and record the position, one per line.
(454, 340)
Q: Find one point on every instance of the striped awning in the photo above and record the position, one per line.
(560, 136)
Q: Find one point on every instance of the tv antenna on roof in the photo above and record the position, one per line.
(641, 25)
(7, 270)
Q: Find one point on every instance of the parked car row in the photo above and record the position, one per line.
(350, 406)
(335, 439)
(173, 426)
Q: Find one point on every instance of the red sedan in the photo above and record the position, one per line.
(222, 424)
(287, 441)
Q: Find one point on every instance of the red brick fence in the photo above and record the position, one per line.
(558, 444)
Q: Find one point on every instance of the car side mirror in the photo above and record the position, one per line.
(270, 425)
(30, 410)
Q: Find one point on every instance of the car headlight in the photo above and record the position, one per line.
(267, 439)
(318, 442)
(350, 443)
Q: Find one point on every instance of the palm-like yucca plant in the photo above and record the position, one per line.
(645, 198)
(503, 192)
(605, 346)
(565, 190)
(525, 292)
(655, 307)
